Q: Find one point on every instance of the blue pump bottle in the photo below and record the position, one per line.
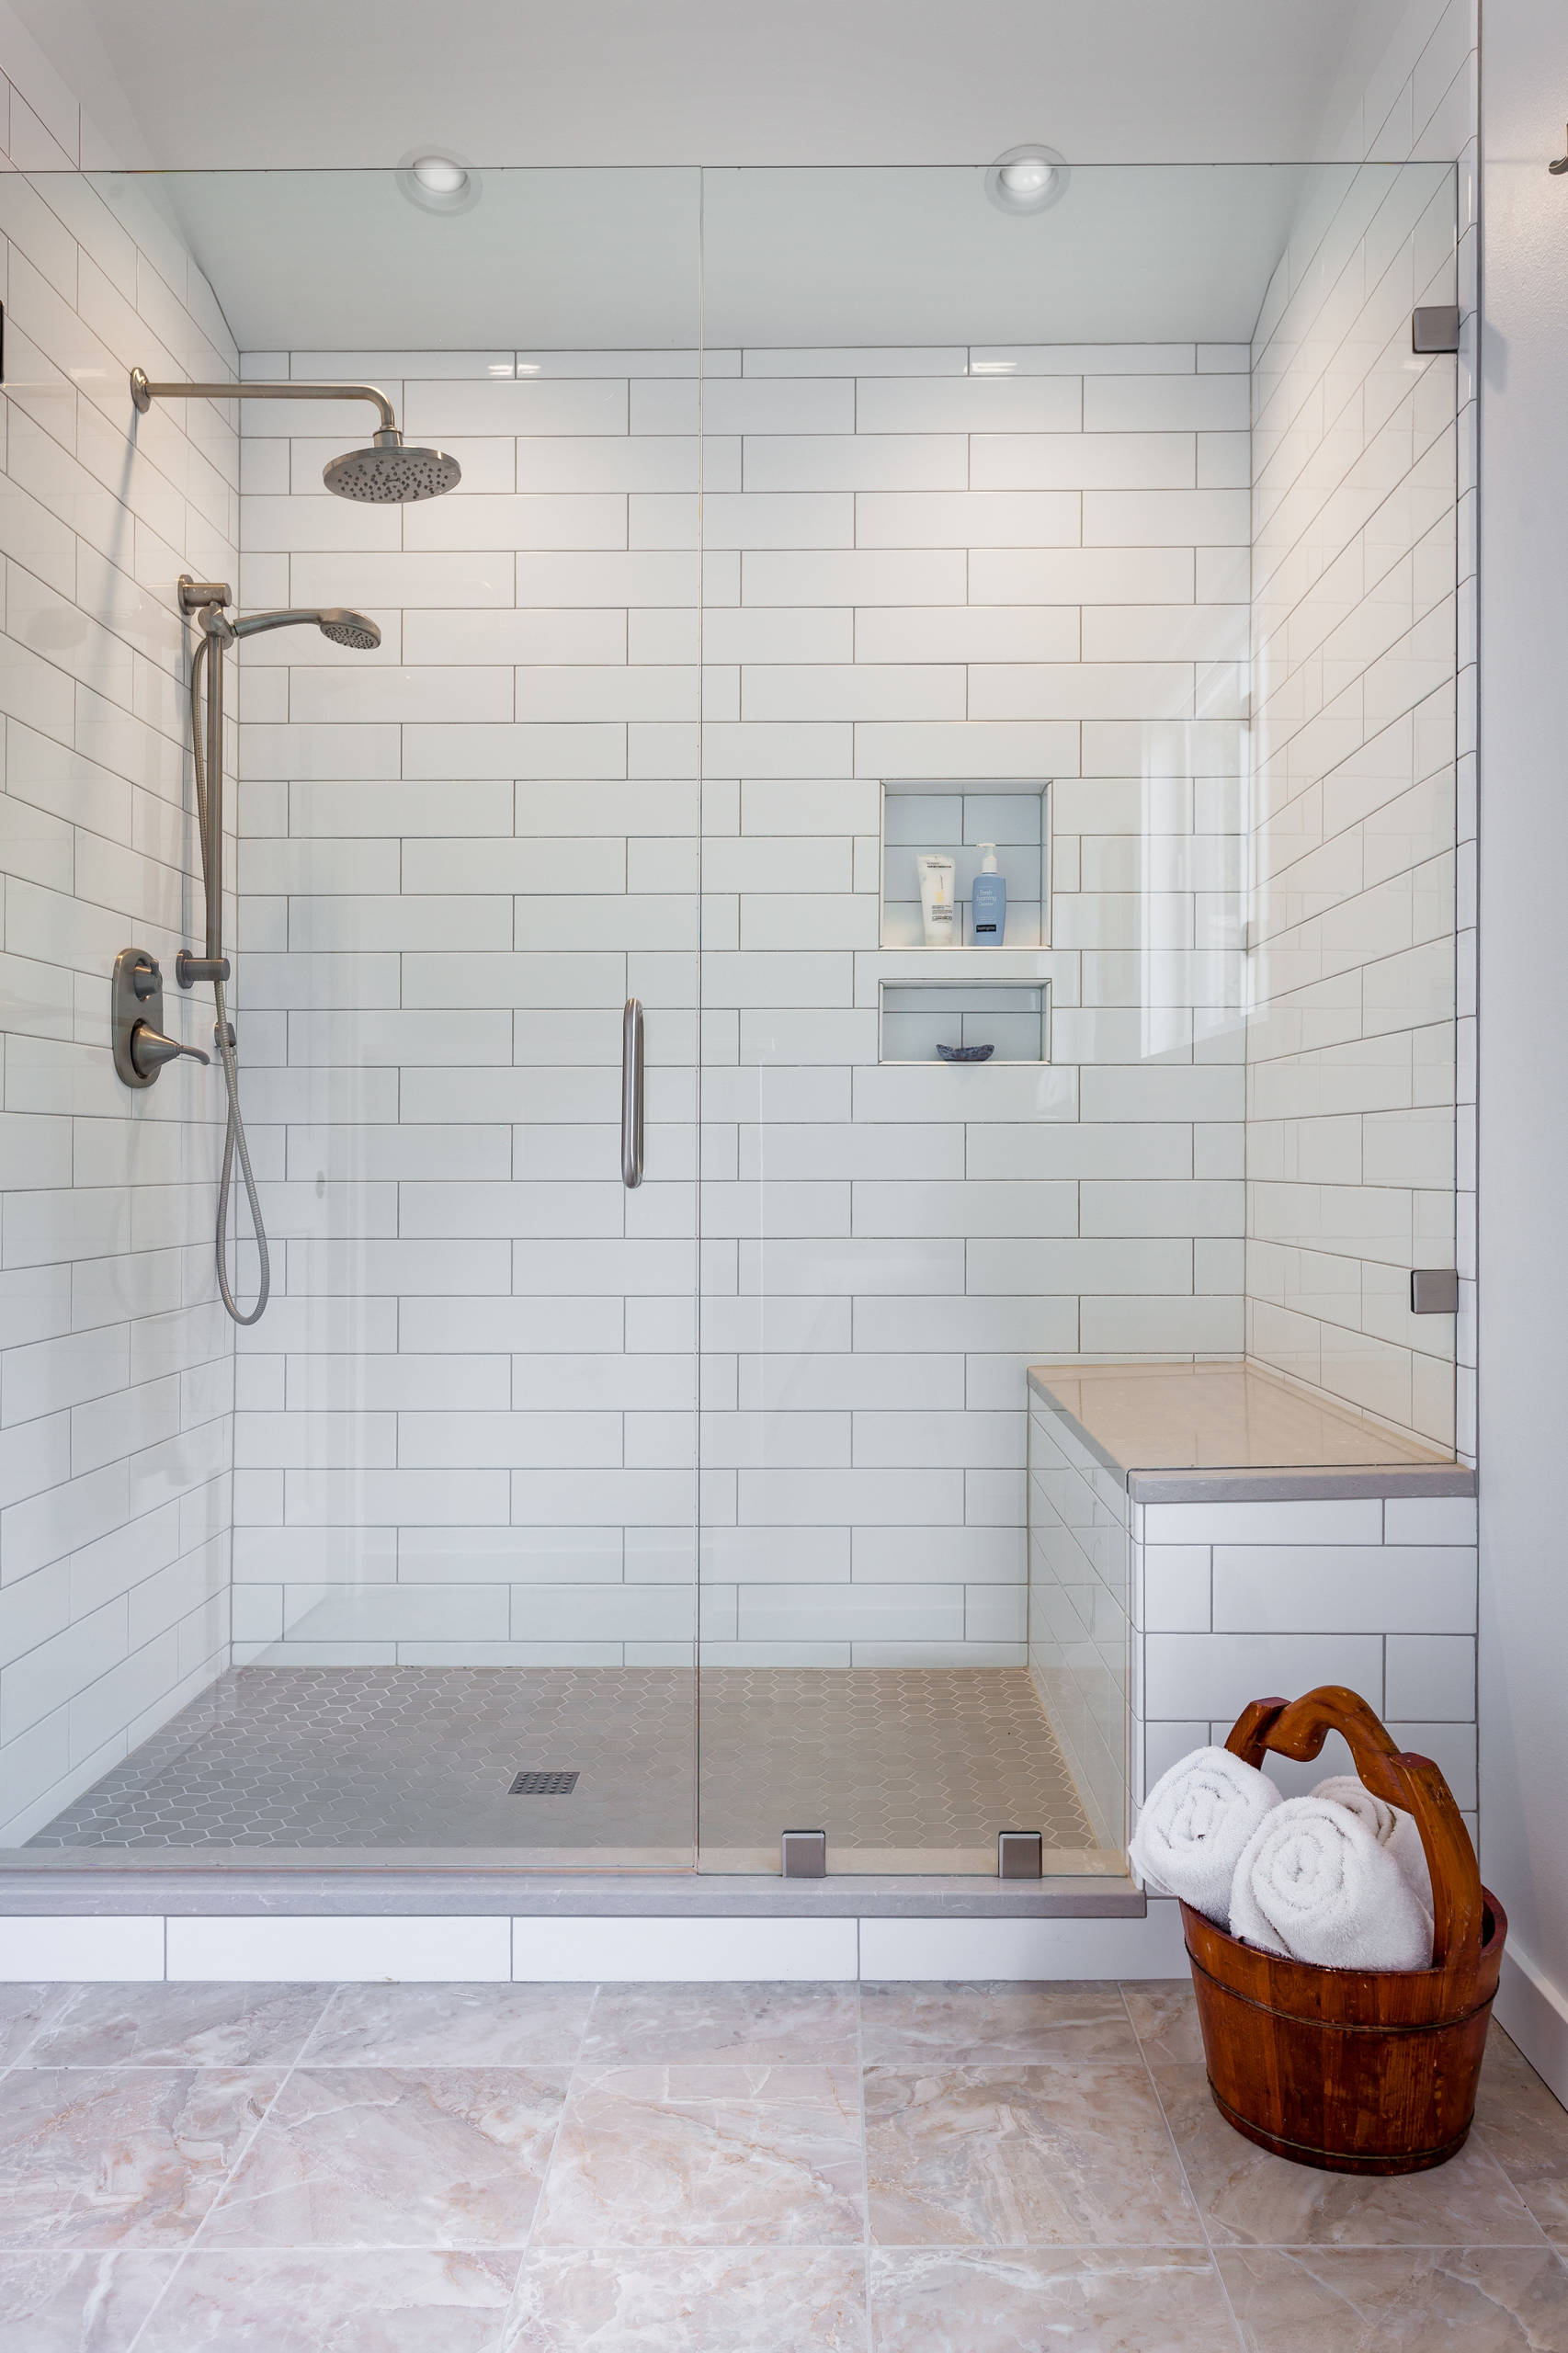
(988, 902)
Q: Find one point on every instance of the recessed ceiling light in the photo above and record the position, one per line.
(439, 178)
(1028, 179)
(438, 181)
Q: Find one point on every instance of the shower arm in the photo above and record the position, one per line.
(143, 394)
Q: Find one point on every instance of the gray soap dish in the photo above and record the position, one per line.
(965, 1053)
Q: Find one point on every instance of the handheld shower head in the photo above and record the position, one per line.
(336, 621)
(388, 473)
(356, 630)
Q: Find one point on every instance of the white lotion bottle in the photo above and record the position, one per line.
(937, 903)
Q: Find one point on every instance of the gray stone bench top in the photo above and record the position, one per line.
(1212, 1433)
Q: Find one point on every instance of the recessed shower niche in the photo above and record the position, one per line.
(992, 1002)
(979, 1019)
(957, 820)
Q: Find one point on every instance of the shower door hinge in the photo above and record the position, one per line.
(1435, 328)
(1019, 1854)
(804, 1854)
(1434, 1290)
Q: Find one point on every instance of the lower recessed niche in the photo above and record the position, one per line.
(917, 1018)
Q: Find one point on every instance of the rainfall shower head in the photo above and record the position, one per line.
(388, 473)
(344, 628)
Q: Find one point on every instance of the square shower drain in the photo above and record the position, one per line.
(543, 1785)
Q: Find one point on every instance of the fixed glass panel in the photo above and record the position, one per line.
(462, 1433)
(1107, 553)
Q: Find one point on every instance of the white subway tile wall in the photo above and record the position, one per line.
(1238, 1602)
(116, 1359)
(1067, 612)
(1363, 771)
(462, 852)
(469, 1418)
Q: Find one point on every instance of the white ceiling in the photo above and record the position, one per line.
(564, 260)
(226, 84)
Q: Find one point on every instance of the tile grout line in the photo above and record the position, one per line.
(241, 2156)
(572, 2072)
(1181, 2166)
(301, 2059)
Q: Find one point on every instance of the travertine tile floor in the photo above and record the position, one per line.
(719, 2169)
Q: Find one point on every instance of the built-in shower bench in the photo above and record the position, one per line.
(1204, 1534)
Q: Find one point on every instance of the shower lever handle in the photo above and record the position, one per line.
(150, 1050)
(631, 1095)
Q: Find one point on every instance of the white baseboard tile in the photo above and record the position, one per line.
(589, 1949)
(1534, 2009)
(408, 1951)
(694, 1952)
(98, 1951)
(1152, 1947)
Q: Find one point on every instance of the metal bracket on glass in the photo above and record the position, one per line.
(1018, 1854)
(631, 1095)
(1434, 1290)
(1435, 328)
(804, 1854)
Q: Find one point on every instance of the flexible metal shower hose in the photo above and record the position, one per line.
(234, 1139)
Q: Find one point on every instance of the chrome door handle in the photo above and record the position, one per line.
(631, 1095)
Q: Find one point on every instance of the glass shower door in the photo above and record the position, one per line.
(544, 1550)
(529, 1550)
(464, 1490)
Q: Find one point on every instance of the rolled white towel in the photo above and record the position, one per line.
(1390, 1825)
(1313, 1883)
(1196, 1821)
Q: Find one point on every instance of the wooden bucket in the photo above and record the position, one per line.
(1355, 2070)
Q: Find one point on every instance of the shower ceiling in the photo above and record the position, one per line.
(208, 83)
(574, 259)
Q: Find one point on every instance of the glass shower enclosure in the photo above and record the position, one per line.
(631, 1465)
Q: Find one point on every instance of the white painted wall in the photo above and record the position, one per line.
(1524, 982)
(116, 1361)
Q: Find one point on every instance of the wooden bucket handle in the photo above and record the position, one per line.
(1298, 1728)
